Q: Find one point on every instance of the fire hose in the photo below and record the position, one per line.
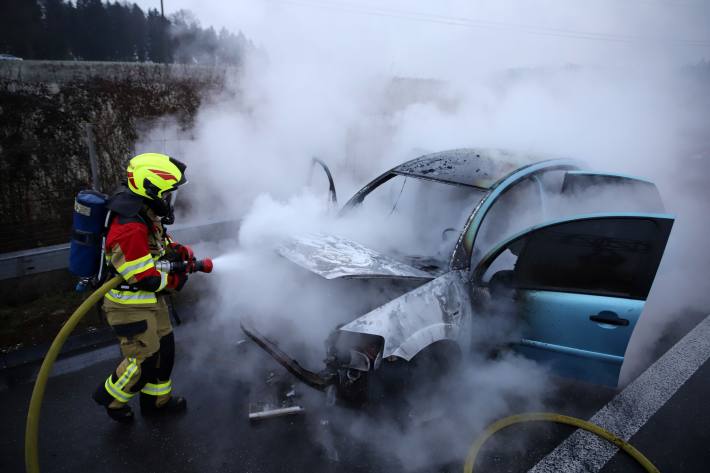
(560, 419)
(32, 427)
(33, 413)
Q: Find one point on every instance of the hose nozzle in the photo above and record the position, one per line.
(204, 265)
(192, 266)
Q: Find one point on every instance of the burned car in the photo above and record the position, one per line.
(572, 252)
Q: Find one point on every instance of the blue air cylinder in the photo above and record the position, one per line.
(87, 232)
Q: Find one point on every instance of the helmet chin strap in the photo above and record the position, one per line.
(168, 219)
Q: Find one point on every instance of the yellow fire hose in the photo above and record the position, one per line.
(32, 428)
(560, 419)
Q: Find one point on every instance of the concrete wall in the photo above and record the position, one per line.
(44, 159)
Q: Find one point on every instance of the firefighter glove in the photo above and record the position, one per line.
(176, 280)
(183, 251)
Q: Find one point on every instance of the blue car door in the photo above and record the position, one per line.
(580, 286)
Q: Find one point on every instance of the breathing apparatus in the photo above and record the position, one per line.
(152, 180)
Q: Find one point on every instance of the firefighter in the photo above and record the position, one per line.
(136, 310)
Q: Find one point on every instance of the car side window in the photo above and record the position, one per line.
(503, 262)
(601, 192)
(518, 208)
(579, 258)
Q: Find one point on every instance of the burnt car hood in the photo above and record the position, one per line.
(335, 257)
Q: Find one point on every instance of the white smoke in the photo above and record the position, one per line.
(602, 82)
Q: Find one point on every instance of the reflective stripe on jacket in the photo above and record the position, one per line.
(132, 249)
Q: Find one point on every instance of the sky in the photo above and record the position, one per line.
(407, 37)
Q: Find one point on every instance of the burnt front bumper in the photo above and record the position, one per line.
(308, 377)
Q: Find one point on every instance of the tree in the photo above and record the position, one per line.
(98, 31)
(20, 28)
(55, 35)
(118, 40)
(159, 48)
(138, 30)
(94, 42)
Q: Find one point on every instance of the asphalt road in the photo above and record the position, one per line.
(216, 436)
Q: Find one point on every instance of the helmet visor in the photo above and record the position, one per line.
(182, 167)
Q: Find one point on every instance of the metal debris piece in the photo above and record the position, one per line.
(265, 410)
(276, 398)
(291, 365)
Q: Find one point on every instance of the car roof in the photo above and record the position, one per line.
(473, 167)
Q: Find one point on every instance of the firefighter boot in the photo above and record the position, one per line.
(118, 411)
(152, 406)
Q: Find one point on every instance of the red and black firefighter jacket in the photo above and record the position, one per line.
(133, 247)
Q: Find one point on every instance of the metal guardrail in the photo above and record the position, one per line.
(49, 258)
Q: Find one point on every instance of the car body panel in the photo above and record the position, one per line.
(558, 331)
(334, 257)
(437, 310)
(581, 284)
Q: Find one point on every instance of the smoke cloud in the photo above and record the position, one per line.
(620, 86)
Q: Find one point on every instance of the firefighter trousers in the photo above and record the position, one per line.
(147, 344)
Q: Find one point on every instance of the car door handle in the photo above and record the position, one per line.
(609, 317)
